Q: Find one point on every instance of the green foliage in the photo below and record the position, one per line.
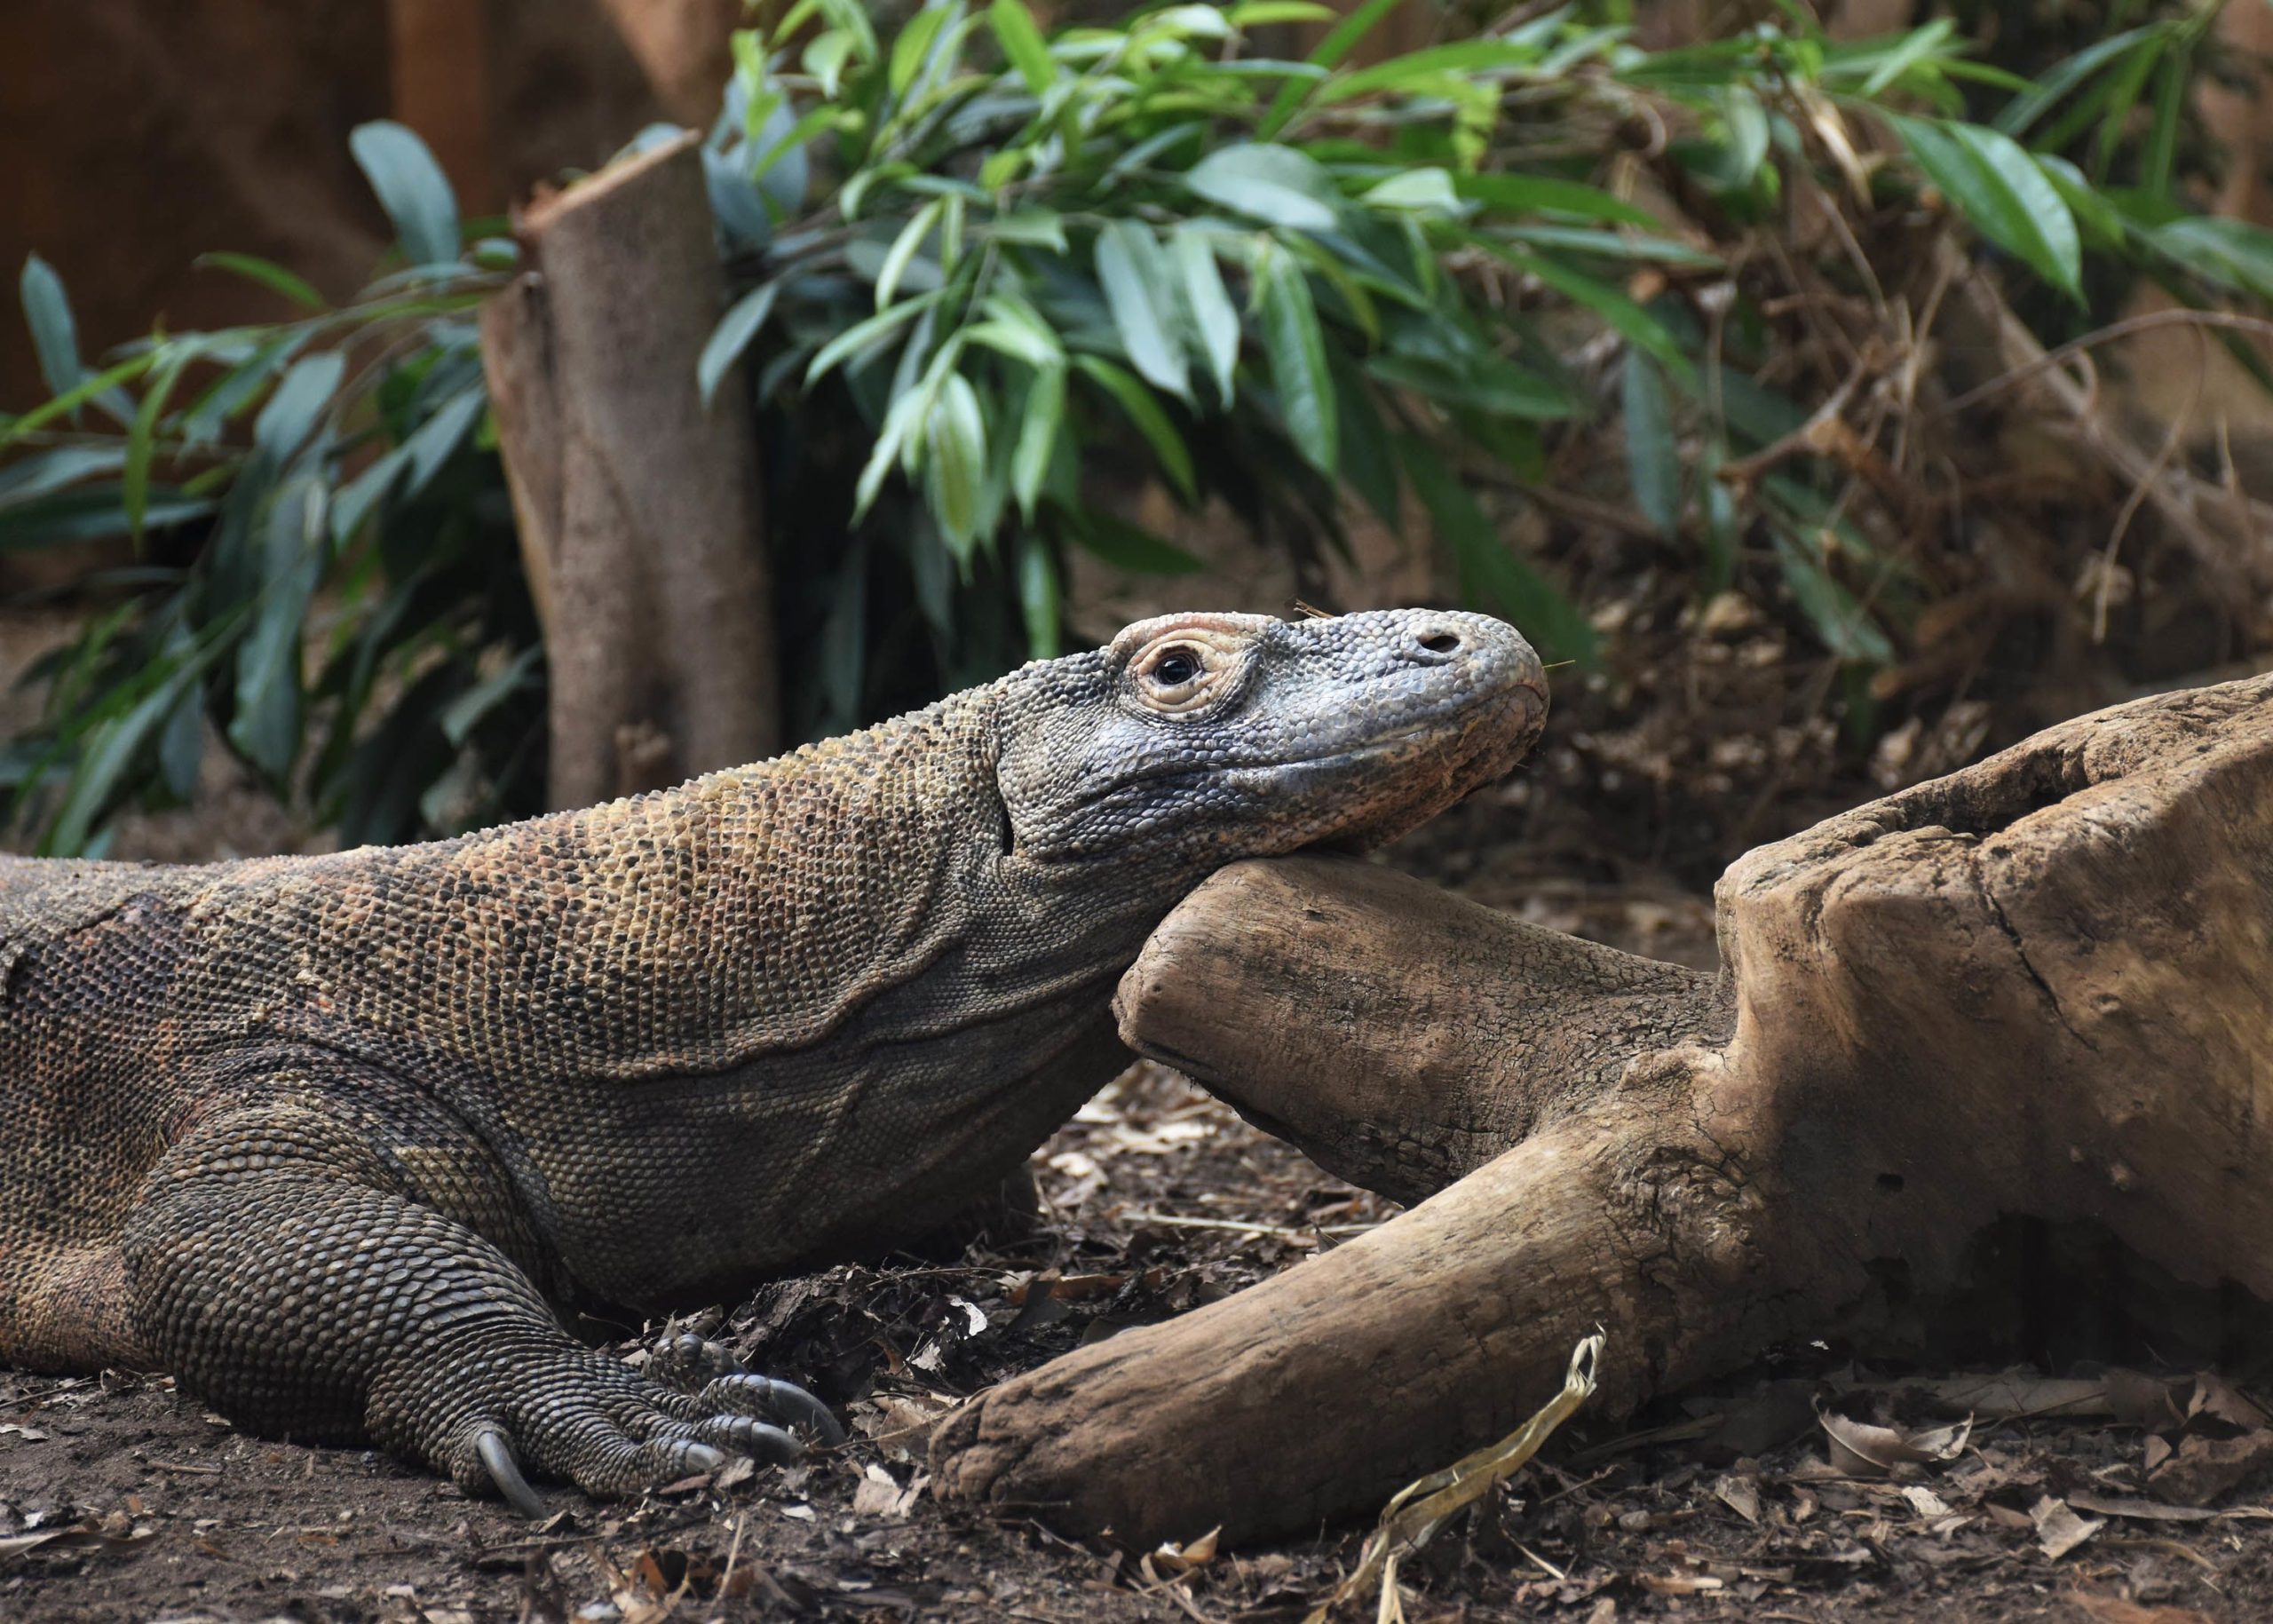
(985, 273)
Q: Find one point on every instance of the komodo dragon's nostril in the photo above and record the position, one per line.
(1443, 642)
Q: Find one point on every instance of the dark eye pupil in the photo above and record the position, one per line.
(1176, 669)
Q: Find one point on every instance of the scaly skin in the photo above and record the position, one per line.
(331, 1137)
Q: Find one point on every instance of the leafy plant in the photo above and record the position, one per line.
(984, 275)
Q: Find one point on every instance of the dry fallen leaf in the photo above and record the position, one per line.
(1924, 1500)
(2204, 1467)
(1678, 1584)
(1172, 1560)
(1741, 1496)
(880, 1495)
(2059, 1530)
(2145, 1511)
(1861, 1449)
(2216, 1397)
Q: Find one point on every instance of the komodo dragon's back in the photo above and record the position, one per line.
(330, 1136)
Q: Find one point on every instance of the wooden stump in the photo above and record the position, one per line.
(638, 504)
(2041, 985)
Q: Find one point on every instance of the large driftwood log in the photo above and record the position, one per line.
(638, 506)
(2041, 985)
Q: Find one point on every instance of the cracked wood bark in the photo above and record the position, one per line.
(2041, 985)
(638, 506)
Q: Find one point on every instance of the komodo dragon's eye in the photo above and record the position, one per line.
(1175, 668)
(1186, 670)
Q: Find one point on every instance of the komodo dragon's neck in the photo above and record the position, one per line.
(817, 994)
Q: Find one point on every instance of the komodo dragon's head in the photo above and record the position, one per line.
(1216, 736)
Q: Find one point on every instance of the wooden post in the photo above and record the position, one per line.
(639, 506)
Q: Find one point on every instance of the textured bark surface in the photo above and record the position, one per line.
(638, 506)
(2041, 985)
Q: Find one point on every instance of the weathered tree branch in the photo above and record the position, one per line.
(2043, 985)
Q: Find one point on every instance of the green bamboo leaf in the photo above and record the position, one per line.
(1847, 630)
(1276, 185)
(1629, 320)
(734, 334)
(1125, 546)
(55, 336)
(1342, 39)
(1909, 51)
(411, 188)
(912, 46)
(863, 335)
(141, 435)
(1262, 13)
(431, 443)
(1652, 457)
(1207, 306)
(1038, 431)
(2161, 156)
(1647, 247)
(31, 478)
(955, 464)
(1422, 70)
(2231, 251)
(301, 396)
(2059, 80)
(1134, 276)
(891, 441)
(265, 727)
(354, 500)
(1998, 188)
(467, 711)
(268, 275)
(1040, 598)
(824, 58)
(1424, 190)
(1292, 339)
(98, 775)
(1023, 45)
(1544, 195)
(1036, 227)
(181, 743)
(1137, 401)
(903, 250)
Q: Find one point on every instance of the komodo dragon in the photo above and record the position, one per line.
(326, 1135)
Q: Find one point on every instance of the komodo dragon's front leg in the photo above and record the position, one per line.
(313, 1280)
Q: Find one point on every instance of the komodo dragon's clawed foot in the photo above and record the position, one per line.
(717, 1380)
(570, 1414)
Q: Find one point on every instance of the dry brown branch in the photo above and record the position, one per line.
(2041, 985)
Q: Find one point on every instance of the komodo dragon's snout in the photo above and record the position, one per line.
(332, 1137)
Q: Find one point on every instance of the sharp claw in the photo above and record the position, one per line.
(497, 1455)
(700, 1458)
(774, 1445)
(757, 1440)
(799, 1407)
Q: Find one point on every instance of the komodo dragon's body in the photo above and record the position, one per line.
(324, 1135)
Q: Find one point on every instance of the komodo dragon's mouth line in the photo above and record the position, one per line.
(1457, 719)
